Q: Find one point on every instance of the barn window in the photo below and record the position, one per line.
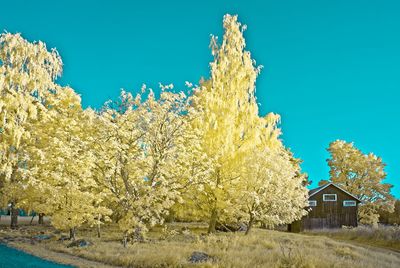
(312, 203)
(349, 203)
(329, 197)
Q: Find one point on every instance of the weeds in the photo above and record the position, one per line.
(381, 236)
(173, 247)
(346, 252)
(292, 256)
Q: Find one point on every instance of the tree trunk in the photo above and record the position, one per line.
(213, 221)
(41, 218)
(33, 216)
(13, 210)
(249, 225)
(98, 227)
(14, 216)
(72, 234)
(125, 239)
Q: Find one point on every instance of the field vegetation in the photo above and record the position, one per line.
(173, 245)
(382, 236)
(110, 178)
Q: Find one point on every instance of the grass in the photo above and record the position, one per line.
(382, 236)
(261, 248)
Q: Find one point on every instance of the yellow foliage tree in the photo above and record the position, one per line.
(65, 169)
(27, 79)
(143, 149)
(274, 189)
(230, 125)
(362, 175)
(142, 158)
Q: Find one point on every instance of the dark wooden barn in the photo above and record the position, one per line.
(330, 207)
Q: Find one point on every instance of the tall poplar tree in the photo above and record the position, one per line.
(230, 124)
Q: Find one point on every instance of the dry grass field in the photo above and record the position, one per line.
(382, 236)
(173, 248)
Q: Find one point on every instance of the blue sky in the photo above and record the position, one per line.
(331, 68)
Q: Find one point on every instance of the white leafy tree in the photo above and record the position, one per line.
(66, 168)
(27, 79)
(274, 190)
(143, 157)
(362, 175)
(144, 149)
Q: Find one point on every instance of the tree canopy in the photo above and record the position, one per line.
(362, 175)
(140, 159)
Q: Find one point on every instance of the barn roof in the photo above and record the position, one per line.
(316, 190)
(312, 191)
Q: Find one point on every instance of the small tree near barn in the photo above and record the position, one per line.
(362, 175)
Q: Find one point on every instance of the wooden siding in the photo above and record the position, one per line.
(328, 214)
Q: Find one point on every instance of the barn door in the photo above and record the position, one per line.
(332, 221)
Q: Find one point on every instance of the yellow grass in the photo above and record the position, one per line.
(382, 236)
(262, 248)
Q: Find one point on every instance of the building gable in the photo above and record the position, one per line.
(321, 189)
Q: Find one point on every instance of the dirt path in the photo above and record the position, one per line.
(384, 250)
(42, 252)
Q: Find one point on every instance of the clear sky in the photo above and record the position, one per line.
(331, 68)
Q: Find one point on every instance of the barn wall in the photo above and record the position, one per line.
(330, 214)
